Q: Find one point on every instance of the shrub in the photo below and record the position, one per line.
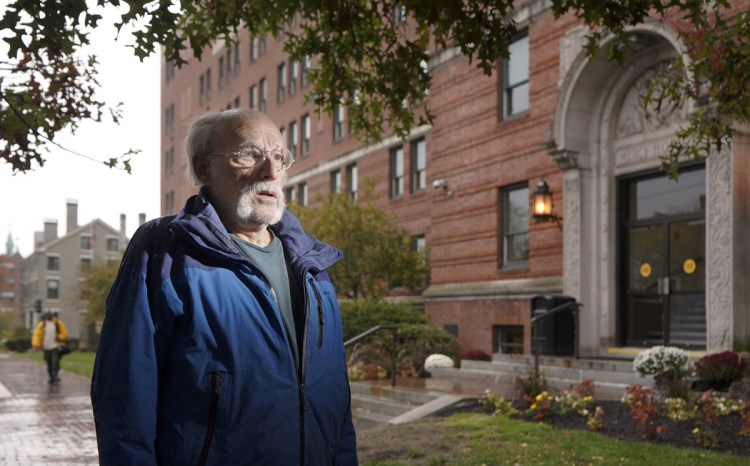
(19, 345)
(473, 355)
(362, 314)
(726, 366)
(414, 344)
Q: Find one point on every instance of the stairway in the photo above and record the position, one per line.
(375, 404)
(611, 375)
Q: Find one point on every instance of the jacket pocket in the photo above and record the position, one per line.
(213, 412)
(321, 318)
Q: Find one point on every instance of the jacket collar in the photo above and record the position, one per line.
(200, 223)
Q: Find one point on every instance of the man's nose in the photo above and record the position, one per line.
(271, 169)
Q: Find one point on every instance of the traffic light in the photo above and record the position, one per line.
(38, 306)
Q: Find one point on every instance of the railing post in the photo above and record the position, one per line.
(393, 357)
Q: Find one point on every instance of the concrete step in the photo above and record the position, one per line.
(375, 404)
(610, 376)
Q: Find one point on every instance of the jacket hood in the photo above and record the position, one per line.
(199, 222)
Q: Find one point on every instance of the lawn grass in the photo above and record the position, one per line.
(498, 440)
(77, 362)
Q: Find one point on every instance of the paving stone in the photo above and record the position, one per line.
(43, 424)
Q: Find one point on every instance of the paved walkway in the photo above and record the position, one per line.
(43, 424)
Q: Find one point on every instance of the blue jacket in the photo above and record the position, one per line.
(193, 365)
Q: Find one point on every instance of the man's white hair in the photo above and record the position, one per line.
(201, 138)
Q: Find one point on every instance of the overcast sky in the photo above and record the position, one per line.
(26, 200)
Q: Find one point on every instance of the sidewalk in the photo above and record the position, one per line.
(43, 424)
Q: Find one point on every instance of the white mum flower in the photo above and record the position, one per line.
(437, 360)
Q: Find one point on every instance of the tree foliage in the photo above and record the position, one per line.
(95, 286)
(378, 254)
(362, 56)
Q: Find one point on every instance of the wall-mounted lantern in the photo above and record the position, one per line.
(542, 203)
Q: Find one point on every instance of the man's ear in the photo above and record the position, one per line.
(202, 167)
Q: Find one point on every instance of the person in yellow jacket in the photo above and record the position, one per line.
(49, 333)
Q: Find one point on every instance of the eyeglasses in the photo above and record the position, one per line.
(252, 156)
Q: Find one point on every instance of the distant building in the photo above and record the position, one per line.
(51, 274)
(10, 280)
(652, 261)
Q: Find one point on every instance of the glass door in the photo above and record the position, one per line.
(663, 261)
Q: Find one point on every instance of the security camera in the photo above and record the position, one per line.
(440, 184)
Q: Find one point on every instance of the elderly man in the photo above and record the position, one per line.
(222, 342)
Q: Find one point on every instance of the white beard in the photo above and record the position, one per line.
(248, 213)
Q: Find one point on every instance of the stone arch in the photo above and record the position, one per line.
(600, 131)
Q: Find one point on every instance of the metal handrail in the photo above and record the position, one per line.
(575, 306)
(367, 333)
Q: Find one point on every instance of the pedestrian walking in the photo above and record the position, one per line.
(49, 335)
(222, 340)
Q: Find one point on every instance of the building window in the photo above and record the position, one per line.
(419, 244)
(398, 13)
(53, 262)
(263, 96)
(293, 138)
(208, 84)
(335, 181)
(305, 128)
(201, 89)
(221, 72)
(302, 193)
(452, 329)
(515, 75)
(53, 289)
(351, 180)
(229, 65)
(281, 81)
(418, 165)
(262, 46)
(507, 339)
(237, 102)
(293, 76)
(237, 59)
(169, 162)
(289, 194)
(85, 263)
(169, 203)
(113, 244)
(304, 70)
(254, 97)
(397, 172)
(514, 225)
(85, 242)
(339, 117)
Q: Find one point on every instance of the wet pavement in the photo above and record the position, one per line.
(43, 424)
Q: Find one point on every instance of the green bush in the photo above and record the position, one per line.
(362, 314)
(19, 345)
(414, 343)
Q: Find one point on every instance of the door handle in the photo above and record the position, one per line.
(663, 285)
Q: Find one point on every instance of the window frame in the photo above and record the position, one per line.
(506, 100)
(352, 182)
(281, 83)
(293, 141)
(396, 179)
(336, 185)
(305, 132)
(418, 177)
(262, 95)
(505, 211)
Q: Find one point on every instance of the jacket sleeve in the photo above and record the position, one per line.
(124, 387)
(62, 331)
(38, 335)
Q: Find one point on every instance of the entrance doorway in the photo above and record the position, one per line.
(662, 239)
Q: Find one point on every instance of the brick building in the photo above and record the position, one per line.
(650, 260)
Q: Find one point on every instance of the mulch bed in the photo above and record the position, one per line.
(618, 423)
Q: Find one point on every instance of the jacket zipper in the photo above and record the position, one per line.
(321, 320)
(212, 415)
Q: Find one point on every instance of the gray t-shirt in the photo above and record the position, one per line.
(271, 263)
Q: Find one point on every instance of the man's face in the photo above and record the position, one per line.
(246, 196)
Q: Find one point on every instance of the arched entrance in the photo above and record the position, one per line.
(635, 247)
